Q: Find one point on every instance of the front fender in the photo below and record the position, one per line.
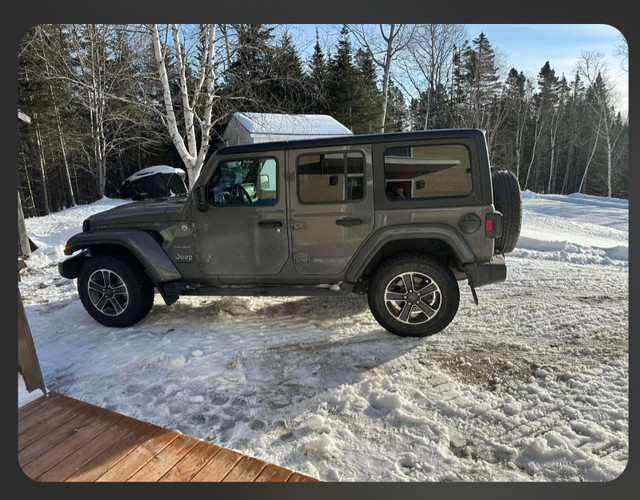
(139, 243)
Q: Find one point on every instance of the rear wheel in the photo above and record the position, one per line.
(413, 296)
(115, 292)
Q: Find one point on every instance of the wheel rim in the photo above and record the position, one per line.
(412, 298)
(108, 292)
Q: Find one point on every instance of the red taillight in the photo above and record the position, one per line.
(488, 226)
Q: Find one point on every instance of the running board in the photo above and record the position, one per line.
(182, 288)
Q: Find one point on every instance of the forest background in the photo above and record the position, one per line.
(105, 101)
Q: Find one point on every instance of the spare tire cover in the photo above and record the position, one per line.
(507, 200)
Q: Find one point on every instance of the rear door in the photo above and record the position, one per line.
(331, 193)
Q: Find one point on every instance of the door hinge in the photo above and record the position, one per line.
(297, 225)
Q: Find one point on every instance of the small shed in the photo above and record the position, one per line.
(250, 128)
(159, 181)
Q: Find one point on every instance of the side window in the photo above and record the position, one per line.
(330, 177)
(418, 172)
(244, 182)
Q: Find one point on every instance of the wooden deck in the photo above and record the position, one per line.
(63, 439)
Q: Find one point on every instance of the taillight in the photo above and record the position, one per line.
(493, 225)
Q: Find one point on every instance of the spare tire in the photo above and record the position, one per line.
(507, 200)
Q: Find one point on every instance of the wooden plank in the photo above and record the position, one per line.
(165, 459)
(137, 459)
(82, 435)
(31, 452)
(191, 464)
(299, 478)
(246, 470)
(218, 467)
(44, 414)
(139, 432)
(63, 439)
(36, 404)
(77, 459)
(53, 422)
(273, 473)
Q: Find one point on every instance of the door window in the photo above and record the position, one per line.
(330, 177)
(244, 182)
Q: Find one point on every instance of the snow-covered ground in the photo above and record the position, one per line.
(531, 385)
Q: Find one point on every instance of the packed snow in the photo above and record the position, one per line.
(157, 169)
(531, 385)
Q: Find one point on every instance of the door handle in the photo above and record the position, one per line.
(270, 224)
(349, 222)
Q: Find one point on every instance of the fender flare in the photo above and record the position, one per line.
(380, 238)
(139, 243)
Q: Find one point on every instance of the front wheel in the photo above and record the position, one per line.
(413, 296)
(115, 292)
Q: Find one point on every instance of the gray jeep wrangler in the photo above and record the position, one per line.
(400, 217)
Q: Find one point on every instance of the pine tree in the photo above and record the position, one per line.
(341, 85)
(318, 80)
(287, 89)
(367, 96)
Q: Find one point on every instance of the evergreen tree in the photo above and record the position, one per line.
(397, 118)
(249, 77)
(318, 80)
(287, 89)
(367, 96)
(342, 82)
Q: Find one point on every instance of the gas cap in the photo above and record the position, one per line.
(469, 223)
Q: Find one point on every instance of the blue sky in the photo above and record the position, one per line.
(527, 47)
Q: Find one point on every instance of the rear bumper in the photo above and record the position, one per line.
(493, 271)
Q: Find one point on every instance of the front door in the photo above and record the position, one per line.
(244, 232)
(331, 207)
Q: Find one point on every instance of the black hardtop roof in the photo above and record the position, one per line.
(346, 140)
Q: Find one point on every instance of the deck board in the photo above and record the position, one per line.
(63, 439)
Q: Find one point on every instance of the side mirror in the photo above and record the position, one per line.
(264, 181)
(201, 198)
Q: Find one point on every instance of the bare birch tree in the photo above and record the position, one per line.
(428, 60)
(196, 103)
(592, 67)
(393, 39)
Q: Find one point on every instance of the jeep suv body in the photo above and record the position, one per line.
(401, 217)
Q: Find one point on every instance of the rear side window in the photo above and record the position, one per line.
(419, 172)
(330, 177)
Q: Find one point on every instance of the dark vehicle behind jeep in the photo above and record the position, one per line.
(291, 218)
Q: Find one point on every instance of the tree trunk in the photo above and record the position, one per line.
(608, 139)
(65, 169)
(43, 175)
(24, 248)
(586, 168)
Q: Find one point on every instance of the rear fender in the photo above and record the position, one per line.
(379, 239)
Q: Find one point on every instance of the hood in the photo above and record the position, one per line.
(139, 213)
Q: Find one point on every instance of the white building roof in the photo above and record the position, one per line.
(263, 127)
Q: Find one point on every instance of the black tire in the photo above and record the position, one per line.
(398, 303)
(115, 291)
(508, 201)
